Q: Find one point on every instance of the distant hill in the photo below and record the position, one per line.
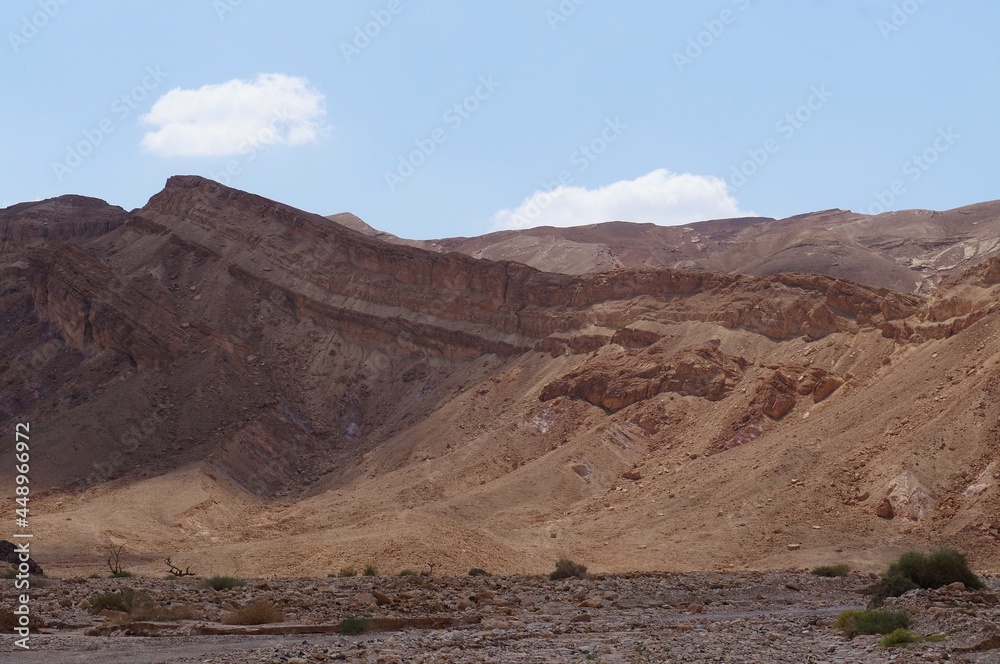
(909, 251)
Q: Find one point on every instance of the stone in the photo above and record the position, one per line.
(885, 509)
(8, 554)
(365, 599)
(494, 623)
(114, 617)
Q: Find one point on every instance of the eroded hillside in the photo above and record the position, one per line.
(226, 379)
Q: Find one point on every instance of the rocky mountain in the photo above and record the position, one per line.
(250, 388)
(908, 251)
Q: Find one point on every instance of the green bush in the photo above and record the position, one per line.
(121, 574)
(354, 625)
(940, 568)
(893, 584)
(224, 582)
(899, 637)
(566, 568)
(370, 571)
(916, 570)
(832, 570)
(125, 600)
(347, 572)
(852, 623)
(478, 571)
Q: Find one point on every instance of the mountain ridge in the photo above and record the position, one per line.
(226, 378)
(911, 250)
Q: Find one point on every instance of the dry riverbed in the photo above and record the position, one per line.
(698, 617)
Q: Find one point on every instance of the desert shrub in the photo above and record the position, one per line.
(347, 572)
(893, 584)
(832, 570)
(852, 623)
(478, 571)
(260, 611)
(355, 625)
(8, 621)
(224, 582)
(12, 574)
(899, 637)
(370, 571)
(406, 572)
(121, 574)
(566, 568)
(167, 613)
(936, 638)
(126, 600)
(915, 570)
(40, 581)
(940, 568)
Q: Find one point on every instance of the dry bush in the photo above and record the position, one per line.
(125, 600)
(839, 569)
(566, 569)
(168, 613)
(224, 582)
(8, 621)
(258, 612)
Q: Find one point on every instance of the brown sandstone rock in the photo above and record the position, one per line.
(884, 509)
(619, 378)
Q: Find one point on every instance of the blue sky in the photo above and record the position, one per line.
(461, 117)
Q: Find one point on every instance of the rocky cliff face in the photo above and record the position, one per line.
(412, 301)
(63, 219)
(285, 369)
(91, 306)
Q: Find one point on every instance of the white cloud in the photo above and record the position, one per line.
(227, 118)
(660, 197)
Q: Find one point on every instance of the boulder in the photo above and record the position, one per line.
(9, 554)
(884, 510)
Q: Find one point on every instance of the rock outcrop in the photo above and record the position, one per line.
(90, 306)
(64, 219)
(9, 554)
(778, 394)
(618, 378)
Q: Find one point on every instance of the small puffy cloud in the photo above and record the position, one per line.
(223, 119)
(660, 197)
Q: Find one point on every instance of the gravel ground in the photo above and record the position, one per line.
(706, 617)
